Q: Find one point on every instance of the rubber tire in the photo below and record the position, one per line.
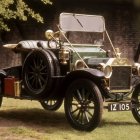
(52, 107)
(59, 102)
(56, 82)
(55, 63)
(135, 99)
(49, 69)
(98, 104)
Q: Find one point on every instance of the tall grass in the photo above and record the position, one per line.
(26, 120)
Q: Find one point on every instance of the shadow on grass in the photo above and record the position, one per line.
(39, 118)
(36, 118)
(118, 123)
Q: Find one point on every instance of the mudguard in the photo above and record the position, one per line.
(93, 74)
(85, 73)
(2, 74)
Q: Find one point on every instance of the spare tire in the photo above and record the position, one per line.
(56, 83)
(55, 63)
(38, 70)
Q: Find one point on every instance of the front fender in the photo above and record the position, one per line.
(92, 74)
(85, 73)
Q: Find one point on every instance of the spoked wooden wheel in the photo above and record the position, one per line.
(37, 72)
(83, 105)
(52, 105)
(136, 103)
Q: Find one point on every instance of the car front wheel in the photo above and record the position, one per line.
(83, 105)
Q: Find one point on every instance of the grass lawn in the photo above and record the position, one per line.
(27, 120)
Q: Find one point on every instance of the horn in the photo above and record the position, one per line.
(57, 34)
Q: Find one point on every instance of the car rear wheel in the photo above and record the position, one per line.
(52, 105)
(136, 103)
(83, 105)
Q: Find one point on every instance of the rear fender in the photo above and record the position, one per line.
(2, 76)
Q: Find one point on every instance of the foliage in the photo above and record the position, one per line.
(17, 9)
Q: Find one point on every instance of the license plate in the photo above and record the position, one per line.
(119, 106)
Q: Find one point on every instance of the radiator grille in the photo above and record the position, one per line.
(121, 78)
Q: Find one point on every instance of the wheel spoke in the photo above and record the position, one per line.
(78, 115)
(79, 95)
(86, 116)
(74, 96)
(90, 107)
(42, 79)
(75, 104)
(31, 67)
(43, 67)
(87, 96)
(43, 73)
(52, 102)
(75, 110)
(89, 101)
(36, 83)
(31, 72)
(34, 63)
(89, 113)
(41, 63)
(31, 77)
(33, 81)
(83, 93)
(48, 102)
(90, 104)
(40, 83)
(38, 61)
(82, 117)
(138, 109)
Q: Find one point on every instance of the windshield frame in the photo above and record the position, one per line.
(81, 22)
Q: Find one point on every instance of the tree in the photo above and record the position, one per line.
(17, 9)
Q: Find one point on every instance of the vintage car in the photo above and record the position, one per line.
(73, 65)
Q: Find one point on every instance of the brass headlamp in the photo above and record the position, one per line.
(64, 55)
(79, 64)
(107, 69)
(137, 68)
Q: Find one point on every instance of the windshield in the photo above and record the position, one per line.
(81, 22)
